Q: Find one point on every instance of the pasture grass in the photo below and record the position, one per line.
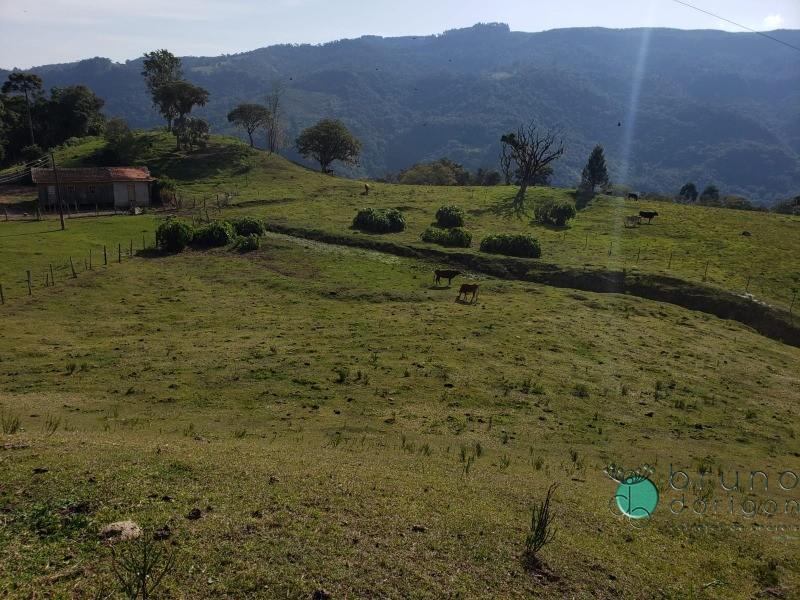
(342, 425)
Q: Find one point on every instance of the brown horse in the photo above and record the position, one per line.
(468, 288)
(440, 274)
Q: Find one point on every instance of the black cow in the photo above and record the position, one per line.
(633, 196)
(648, 214)
(440, 274)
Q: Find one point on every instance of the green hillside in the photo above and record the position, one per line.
(711, 106)
(704, 243)
(311, 420)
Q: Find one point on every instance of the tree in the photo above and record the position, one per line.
(276, 134)
(505, 163)
(710, 195)
(249, 117)
(29, 85)
(74, 111)
(531, 150)
(688, 192)
(176, 99)
(191, 133)
(160, 67)
(120, 142)
(595, 172)
(327, 141)
(541, 178)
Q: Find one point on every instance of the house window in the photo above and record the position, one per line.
(91, 189)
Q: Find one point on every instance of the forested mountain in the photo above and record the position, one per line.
(707, 106)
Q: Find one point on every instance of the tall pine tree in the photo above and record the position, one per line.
(595, 172)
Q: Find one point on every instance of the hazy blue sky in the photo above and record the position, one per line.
(49, 31)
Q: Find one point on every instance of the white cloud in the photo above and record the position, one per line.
(772, 21)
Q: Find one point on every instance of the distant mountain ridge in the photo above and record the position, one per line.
(712, 107)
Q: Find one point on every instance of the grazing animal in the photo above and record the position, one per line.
(468, 288)
(366, 190)
(633, 196)
(746, 233)
(632, 220)
(648, 214)
(440, 274)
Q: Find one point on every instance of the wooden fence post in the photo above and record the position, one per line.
(119, 253)
(105, 256)
(131, 250)
(669, 264)
(638, 252)
(705, 273)
(2, 297)
(52, 277)
(29, 283)
(90, 259)
(72, 268)
(610, 247)
(5, 212)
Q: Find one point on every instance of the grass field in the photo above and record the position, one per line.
(342, 425)
(690, 242)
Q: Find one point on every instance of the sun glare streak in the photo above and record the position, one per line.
(629, 122)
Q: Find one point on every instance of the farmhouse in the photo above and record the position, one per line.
(120, 187)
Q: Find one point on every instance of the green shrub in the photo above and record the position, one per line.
(450, 216)
(522, 245)
(248, 243)
(456, 237)
(248, 226)
(173, 235)
(553, 212)
(388, 220)
(165, 190)
(215, 233)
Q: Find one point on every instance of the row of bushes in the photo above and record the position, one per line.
(173, 235)
(377, 220)
(456, 237)
(521, 245)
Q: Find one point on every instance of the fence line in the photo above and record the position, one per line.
(67, 265)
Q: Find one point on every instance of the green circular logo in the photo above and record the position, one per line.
(636, 497)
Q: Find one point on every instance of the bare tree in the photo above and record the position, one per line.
(532, 150)
(276, 133)
(505, 163)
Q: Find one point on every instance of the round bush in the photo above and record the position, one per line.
(456, 237)
(248, 226)
(215, 233)
(553, 212)
(248, 243)
(173, 235)
(450, 216)
(389, 220)
(522, 245)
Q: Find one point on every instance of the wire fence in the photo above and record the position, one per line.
(95, 258)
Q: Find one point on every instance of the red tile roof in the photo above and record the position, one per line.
(91, 175)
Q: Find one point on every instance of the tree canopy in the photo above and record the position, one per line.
(595, 172)
(531, 150)
(249, 117)
(29, 85)
(327, 141)
(688, 192)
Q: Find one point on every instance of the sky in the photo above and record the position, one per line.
(53, 31)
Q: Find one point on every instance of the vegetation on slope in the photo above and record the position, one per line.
(198, 381)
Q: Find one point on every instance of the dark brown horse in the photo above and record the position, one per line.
(440, 274)
(468, 288)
